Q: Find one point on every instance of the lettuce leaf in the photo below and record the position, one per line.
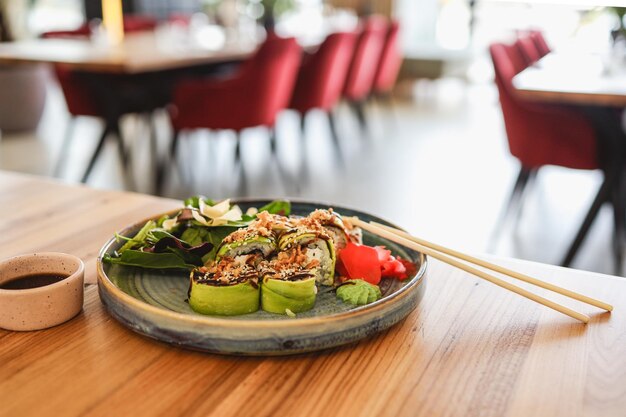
(282, 207)
(141, 259)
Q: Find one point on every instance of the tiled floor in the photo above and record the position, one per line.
(436, 164)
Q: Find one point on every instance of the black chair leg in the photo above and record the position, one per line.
(124, 157)
(174, 145)
(359, 110)
(121, 146)
(532, 178)
(619, 233)
(96, 153)
(303, 124)
(154, 150)
(273, 144)
(67, 139)
(514, 200)
(242, 184)
(335, 136)
(604, 195)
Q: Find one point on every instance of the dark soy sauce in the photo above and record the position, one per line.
(32, 281)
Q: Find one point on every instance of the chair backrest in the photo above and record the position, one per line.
(252, 96)
(540, 135)
(323, 74)
(364, 64)
(77, 94)
(528, 49)
(540, 42)
(390, 61)
(508, 62)
(139, 23)
(271, 77)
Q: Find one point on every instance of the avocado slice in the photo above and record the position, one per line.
(278, 296)
(230, 300)
(262, 244)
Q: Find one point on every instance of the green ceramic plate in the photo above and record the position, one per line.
(152, 302)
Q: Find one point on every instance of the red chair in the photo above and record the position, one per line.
(79, 97)
(389, 63)
(362, 72)
(322, 76)
(528, 49)
(139, 23)
(540, 135)
(254, 96)
(83, 31)
(540, 42)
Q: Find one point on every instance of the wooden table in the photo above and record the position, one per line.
(470, 348)
(140, 53)
(581, 79)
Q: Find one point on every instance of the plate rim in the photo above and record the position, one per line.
(114, 291)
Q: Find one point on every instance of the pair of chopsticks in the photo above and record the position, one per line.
(448, 256)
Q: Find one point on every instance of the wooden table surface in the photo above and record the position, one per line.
(581, 79)
(140, 52)
(469, 349)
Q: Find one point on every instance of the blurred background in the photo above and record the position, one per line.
(421, 142)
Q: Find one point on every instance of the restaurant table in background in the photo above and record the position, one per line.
(133, 77)
(581, 79)
(598, 87)
(469, 348)
(139, 53)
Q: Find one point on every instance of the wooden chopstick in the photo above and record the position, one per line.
(500, 269)
(481, 274)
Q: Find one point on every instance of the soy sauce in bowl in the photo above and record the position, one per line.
(32, 281)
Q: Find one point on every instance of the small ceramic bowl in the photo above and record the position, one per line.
(45, 306)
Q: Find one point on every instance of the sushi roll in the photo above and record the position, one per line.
(315, 244)
(333, 225)
(249, 240)
(288, 283)
(229, 287)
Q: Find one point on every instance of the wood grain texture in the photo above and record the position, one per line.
(580, 79)
(139, 53)
(470, 348)
(365, 7)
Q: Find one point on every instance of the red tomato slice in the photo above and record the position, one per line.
(361, 262)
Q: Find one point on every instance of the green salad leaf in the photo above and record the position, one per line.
(194, 202)
(140, 237)
(282, 207)
(141, 259)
